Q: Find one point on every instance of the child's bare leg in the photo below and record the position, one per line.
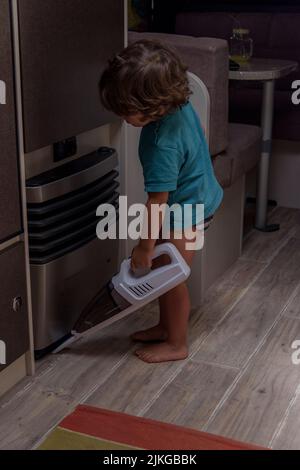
(176, 315)
(158, 332)
(174, 311)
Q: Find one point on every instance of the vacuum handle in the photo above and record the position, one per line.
(162, 249)
(170, 250)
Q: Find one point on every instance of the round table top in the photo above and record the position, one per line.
(263, 69)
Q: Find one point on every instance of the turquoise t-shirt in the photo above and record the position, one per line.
(175, 159)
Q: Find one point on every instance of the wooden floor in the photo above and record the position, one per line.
(239, 380)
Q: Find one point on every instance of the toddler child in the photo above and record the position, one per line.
(147, 85)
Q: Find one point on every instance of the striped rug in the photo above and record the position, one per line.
(89, 428)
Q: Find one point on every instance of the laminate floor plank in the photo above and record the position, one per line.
(262, 245)
(260, 398)
(236, 337)
(193, 395)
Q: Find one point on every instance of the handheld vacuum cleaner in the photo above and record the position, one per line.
(128, 291)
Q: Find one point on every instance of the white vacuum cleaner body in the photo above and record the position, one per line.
(140, 290)
(128, 291)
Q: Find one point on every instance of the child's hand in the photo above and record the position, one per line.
(141, 257)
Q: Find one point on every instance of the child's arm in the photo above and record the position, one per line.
(142, 254)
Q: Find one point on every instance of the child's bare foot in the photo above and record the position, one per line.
(157, 333)
(163, 352)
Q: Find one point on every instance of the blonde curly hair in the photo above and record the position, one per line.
(146, 77)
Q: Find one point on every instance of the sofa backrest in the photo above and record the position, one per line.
(208, 59)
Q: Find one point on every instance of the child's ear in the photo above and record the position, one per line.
(162, 111)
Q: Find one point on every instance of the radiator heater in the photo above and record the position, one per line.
(69, 265)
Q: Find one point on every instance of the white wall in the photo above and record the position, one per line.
(285, 174)
(284, 180)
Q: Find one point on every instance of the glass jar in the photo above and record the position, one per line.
(240, 45)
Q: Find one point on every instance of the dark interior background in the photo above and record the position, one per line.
(275, 29)
(165, 11)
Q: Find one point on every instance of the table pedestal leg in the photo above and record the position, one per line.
(263, 173)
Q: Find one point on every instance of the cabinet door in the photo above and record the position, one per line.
(65, 45)
(10, 212)
(13, 304)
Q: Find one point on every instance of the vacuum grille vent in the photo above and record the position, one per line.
(141, 289)
(62, 224)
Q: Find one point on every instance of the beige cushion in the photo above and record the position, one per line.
(242, 154)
